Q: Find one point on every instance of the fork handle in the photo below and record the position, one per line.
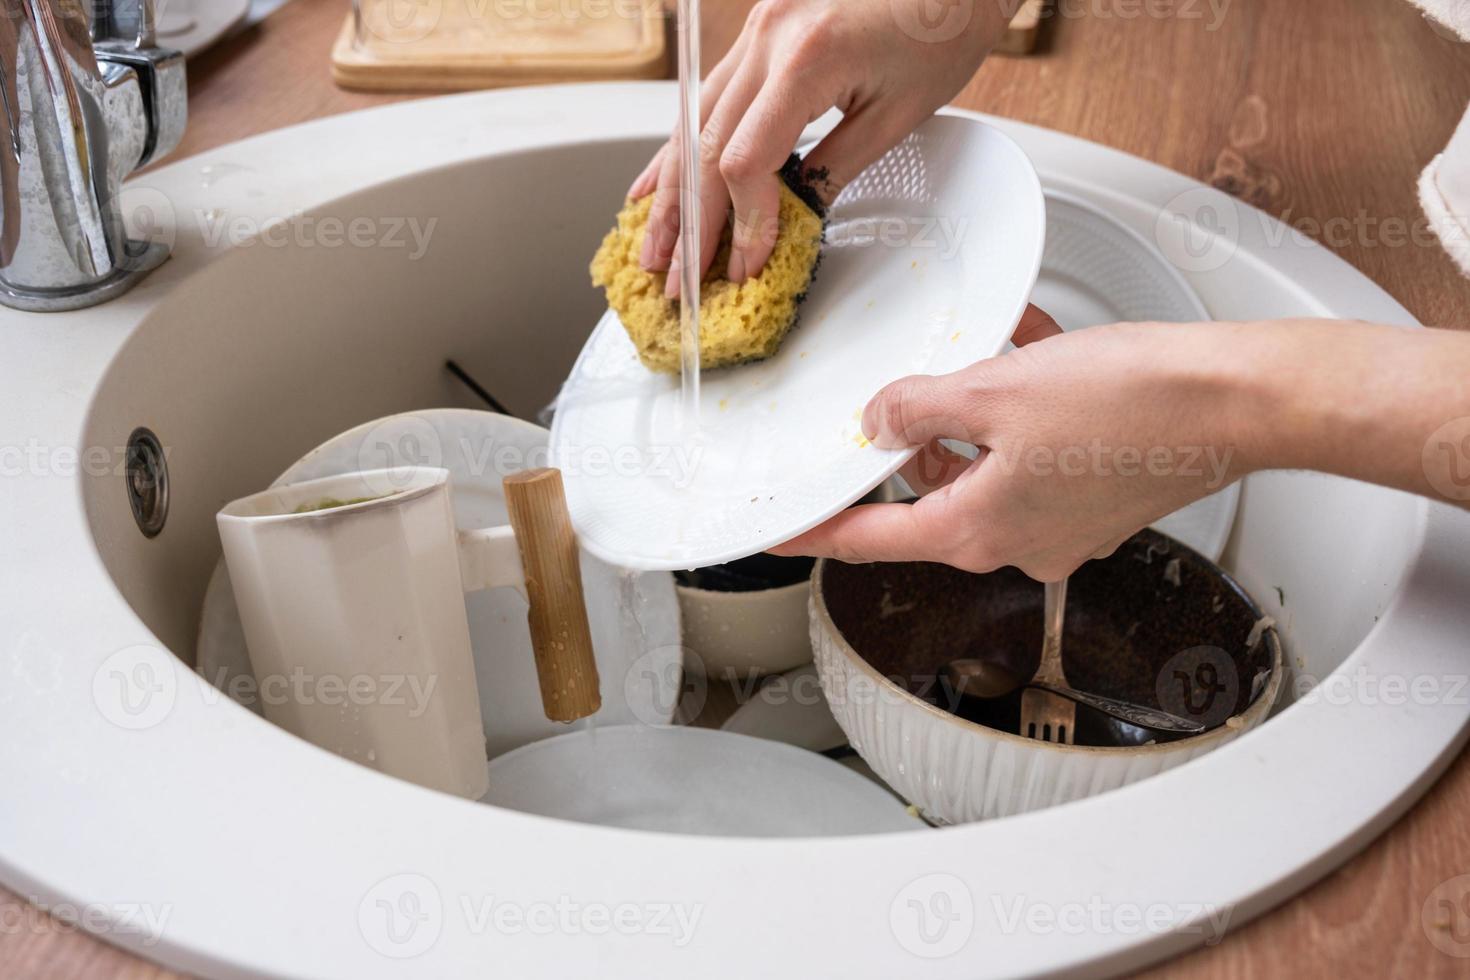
(1050, 671)
(1134, 714)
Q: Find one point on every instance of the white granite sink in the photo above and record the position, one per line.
(268, 856)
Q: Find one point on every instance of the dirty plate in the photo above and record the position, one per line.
(929, 260)
(191, 26)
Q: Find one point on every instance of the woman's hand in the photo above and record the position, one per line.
(886, 64)
(1086, 437)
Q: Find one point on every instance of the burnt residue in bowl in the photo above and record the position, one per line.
(754, 574)
(1156, 624)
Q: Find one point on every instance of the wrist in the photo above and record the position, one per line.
(1225, 375)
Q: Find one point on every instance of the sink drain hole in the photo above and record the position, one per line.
(147, 481)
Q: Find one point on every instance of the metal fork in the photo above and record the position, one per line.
(1044, 715)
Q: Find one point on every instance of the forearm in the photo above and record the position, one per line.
(1095, 433)
(1386, 405)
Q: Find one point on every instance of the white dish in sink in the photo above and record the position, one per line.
(191, 26)
(790, 708)
(692, 781)
(929, 259)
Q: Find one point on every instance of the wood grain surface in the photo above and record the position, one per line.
(1024, 32)
(566, 667)
(445, 48)
(1321, 112)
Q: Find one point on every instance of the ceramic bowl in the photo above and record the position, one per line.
(1156, 624)
(750, 633)
(740, 630)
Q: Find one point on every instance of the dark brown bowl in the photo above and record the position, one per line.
(1156, 624)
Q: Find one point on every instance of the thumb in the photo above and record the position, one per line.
(916, 410)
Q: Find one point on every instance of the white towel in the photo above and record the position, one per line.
(1444, 189)
(1444, 193)
(1454, 14)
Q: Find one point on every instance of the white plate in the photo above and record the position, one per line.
(692, 781)
(1094, 271)
(191, 26)
(930, 258)
(634, 616)
(790, 708)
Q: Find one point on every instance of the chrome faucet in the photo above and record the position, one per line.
(89, 98)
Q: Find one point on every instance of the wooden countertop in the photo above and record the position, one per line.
(1322, 113)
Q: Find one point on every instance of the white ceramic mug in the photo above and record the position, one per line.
(738, 636)
(355, 619)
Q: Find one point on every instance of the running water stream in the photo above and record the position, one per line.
(689, 258)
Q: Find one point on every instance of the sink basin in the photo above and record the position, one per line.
(134, 784)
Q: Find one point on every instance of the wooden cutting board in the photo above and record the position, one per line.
(1021, 36)
(452, 45)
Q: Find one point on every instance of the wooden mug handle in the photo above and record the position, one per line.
(560, 636)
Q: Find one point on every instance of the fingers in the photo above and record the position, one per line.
(663, 216)
(933, 467)
(663, 219)
(714, 196)
(873, 532)
(916, 410)
(710, 91)
(757, 226)
(756, 152)
(1036, 324)
(919, 409)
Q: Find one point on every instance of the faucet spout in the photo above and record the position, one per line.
(88, 99)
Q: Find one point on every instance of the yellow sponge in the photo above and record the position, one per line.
(737, 321)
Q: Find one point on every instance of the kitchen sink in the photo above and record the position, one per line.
(322, 276)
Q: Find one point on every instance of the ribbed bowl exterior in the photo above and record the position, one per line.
(955, 771)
